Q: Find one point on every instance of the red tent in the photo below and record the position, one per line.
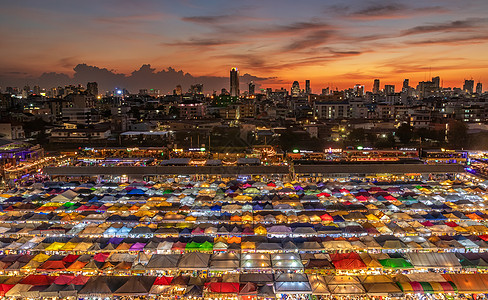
(349, 264)
(80, 280)
(101, 257)
(70, 258)
(52, 265)
(451, 224)
(323, 195)
(361, 198)
(4, 288)
(348, 255)
(347, 261)
(38, 280)
(326, 217)
(163, 280)
(179, 246)
(427, 223)
(223, 287)
(64, 279)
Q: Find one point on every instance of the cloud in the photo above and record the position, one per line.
(219, 19)
(384, 10)
(453, 26)
(314, 39)
(144, 78)
(130, 19)
(452, 41)
(202, 42)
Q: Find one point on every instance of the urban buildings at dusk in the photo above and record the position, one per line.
(330, 150)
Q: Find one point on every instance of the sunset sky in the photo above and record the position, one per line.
(336, 43)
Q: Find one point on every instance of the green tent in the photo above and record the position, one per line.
(395, 263)
(192, 246)
(427, 287)
(206, 246)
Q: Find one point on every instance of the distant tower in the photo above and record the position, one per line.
(92, 88)
(358, 90)
(389, 89)
(178, 91)
(234, 82)
(252, 88)
(376, 86)
(295, 89)
(468, 86)
(437, 82)
(308, 90)
(406, 83)
(479, 88)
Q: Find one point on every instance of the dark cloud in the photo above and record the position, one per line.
(219, 19)
(379, 10)
(453, 26)
(313, 39)
(207, 19)
(144, 78)
(459, 40)
(202, 42)
(130, 19)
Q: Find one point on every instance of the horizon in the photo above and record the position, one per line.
(45, 81)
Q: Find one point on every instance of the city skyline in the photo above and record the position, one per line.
(335, 44)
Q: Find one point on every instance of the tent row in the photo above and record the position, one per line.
(257, 285)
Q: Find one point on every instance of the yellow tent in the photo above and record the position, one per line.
(260, 230)
(41, 257)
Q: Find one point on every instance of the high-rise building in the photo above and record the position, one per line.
(437, 82)
(252, 88)
(295, 89)
(426, 89)
(92, 88)
(36, 90)
(406, 84)
(376, 86)
(325, 91)
(468, 86)
(234, 82)
(178, 91)
(389, 89)
(196, 89)
(358, 90)
(308, 90)
(479, 88)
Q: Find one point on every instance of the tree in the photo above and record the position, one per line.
(356, 135)
(404, 133)
(457, 134)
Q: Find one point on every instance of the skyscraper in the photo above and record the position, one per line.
(92, 88)
(389, 89)
(178, 91)
(234, 82)
(406, 84)
(196, 89)
(358, 90)
(468, 86)
(479, 88)
(376, 86)
(437, 82)
(308, 90)
(295, 89)
(252, 88)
